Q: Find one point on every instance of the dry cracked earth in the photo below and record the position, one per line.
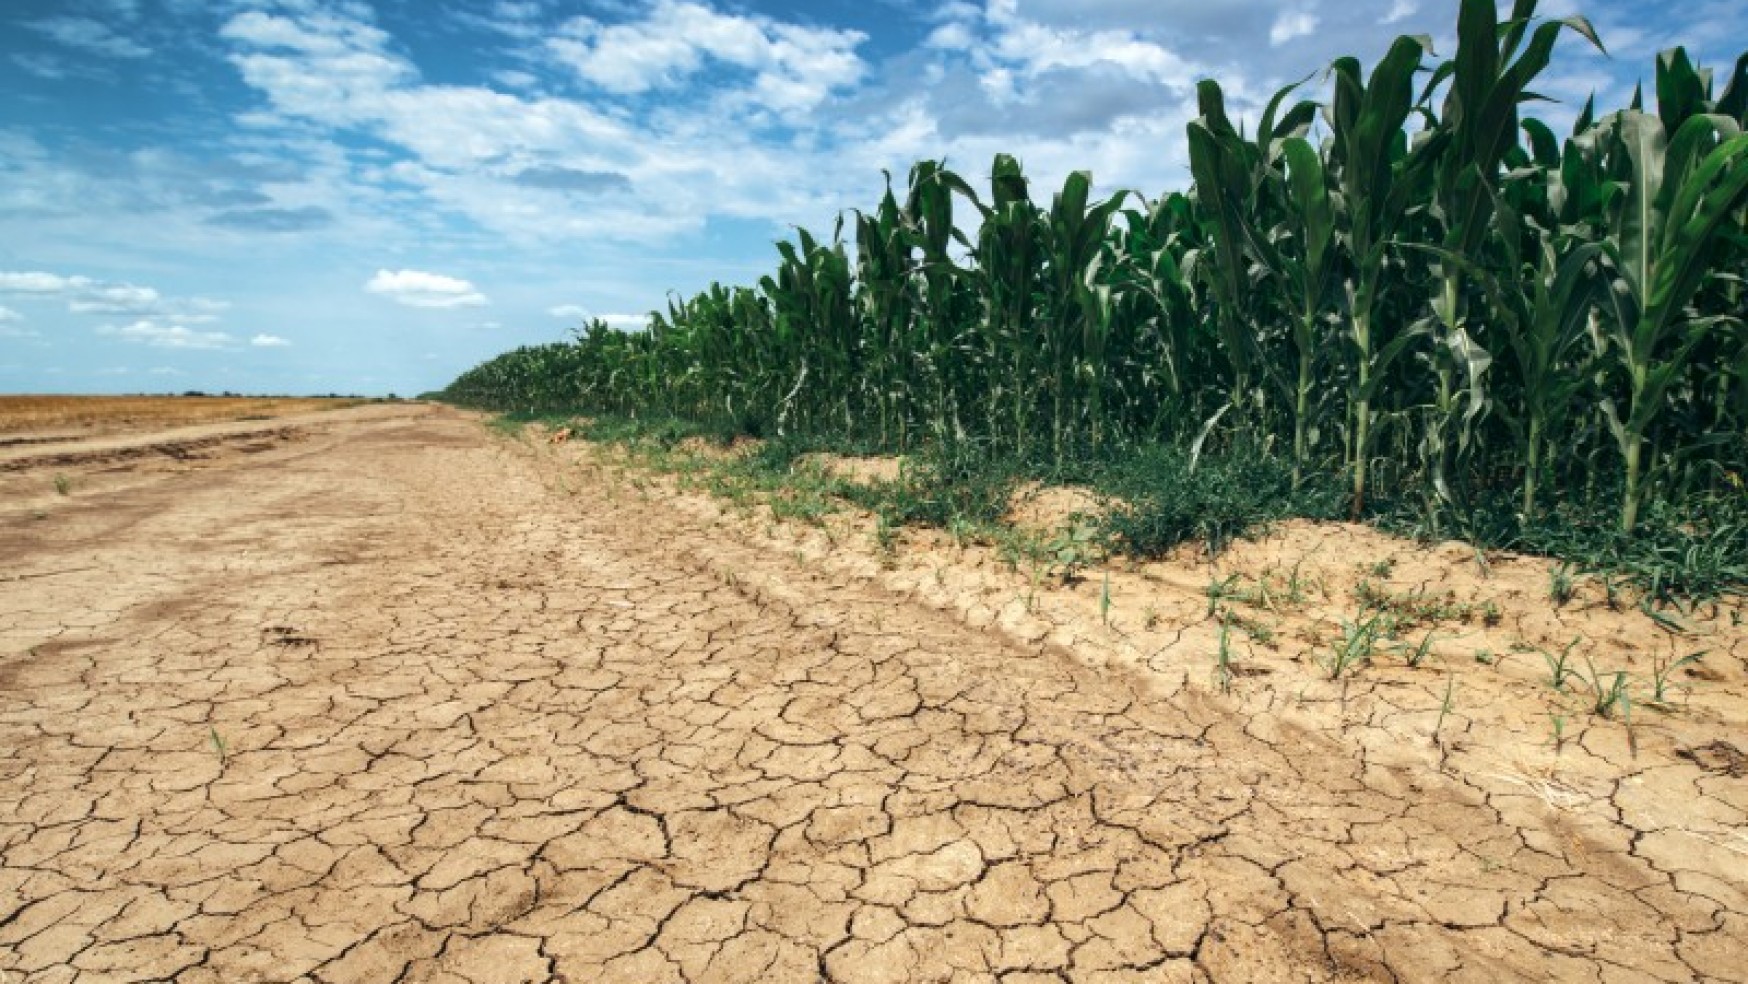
(384, 702)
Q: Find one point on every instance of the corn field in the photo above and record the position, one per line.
(1412, 288)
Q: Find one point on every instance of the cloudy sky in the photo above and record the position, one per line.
(335, 195)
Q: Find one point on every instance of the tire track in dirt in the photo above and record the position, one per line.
(396, 711)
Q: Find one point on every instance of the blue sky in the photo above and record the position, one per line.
(335, 195)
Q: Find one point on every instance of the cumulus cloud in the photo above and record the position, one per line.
(569, 312)
(320, 64)
(269, 341)
(38, 282)
(157, 334)
(1291, 24)
(416, 288)
(795, 67)
(85, 295)
(115, 299)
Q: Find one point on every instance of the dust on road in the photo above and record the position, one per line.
(380, 703)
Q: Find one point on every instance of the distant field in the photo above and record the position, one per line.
(85, 415)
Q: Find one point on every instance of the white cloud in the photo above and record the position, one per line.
(951, 37)
(626, 322)
(795, 67)
(38, 282)
(91, 36)
(317, 65)
(1034, 48)
(269, 341)
(88, 296)
(1400, 10)
(115, 299)
(147, 331)
(416, 288)
(569, 312)
(1291, 24)
(7, 314)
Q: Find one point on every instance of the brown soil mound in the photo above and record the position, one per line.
(1047, 508)
(865, 469)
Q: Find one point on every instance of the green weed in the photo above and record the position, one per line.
(1419, 654)
(1223, 660)
(1661, 668)
(1562, 584)
(1359, 639)
(1559, 668)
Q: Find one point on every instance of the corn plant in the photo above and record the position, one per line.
(1412, 292)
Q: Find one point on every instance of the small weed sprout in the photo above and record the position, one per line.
(1562, 585)
(1358, 640)
(218, 744)
(1608, 691)
(63, 485)
(1105, 601)
(1419, 654)
(1223, 659)
(1072, 549)
(1661, 668)
(1558, 721)
(1296, 583)
(1255, 628)
(1219, 589)
(1558, 667)
(886, 538)
(1611, 591)
(961, 530)
(1445, 706)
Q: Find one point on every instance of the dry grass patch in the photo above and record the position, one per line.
(83, 416)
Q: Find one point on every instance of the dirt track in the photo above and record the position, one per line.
(383, 704)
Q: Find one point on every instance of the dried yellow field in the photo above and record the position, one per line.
(85, 415)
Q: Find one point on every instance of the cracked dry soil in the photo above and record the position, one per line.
(381, 704)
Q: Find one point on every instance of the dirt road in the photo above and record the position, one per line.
(380, 702)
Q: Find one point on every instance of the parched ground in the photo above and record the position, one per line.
(385, 696)
(39, 419)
